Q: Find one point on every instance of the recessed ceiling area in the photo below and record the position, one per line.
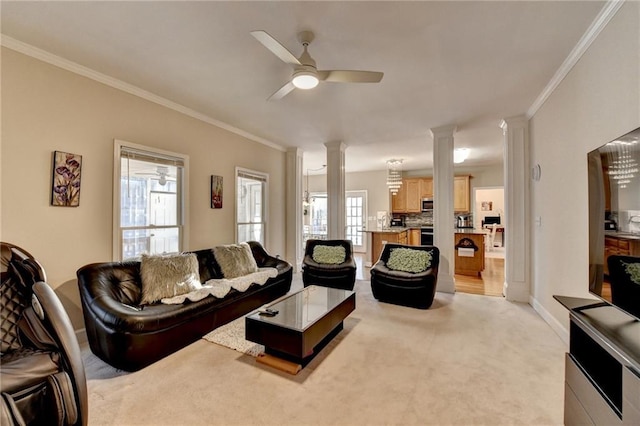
(464, 63)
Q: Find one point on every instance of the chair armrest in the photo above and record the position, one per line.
(52, 312)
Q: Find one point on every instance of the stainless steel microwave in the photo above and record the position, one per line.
(427, 204)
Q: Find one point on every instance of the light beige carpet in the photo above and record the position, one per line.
(469, 360)
(231, 336)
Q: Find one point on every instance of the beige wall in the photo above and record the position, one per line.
(45, 108)
(598, 101)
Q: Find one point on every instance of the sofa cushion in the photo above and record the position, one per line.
(329, 254)
(409, 260)
(235, 260)
(168, 276)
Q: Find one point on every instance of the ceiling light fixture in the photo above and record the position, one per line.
(305, 79)
(460, 154)
(394, 176)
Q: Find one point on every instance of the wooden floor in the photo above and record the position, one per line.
(490, 283)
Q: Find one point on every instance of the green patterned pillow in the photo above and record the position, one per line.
(329, 254)
(409, 260)
(633, 269)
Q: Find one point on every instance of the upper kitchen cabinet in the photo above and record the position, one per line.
(399, 200)
(426, 188)
(413, 190)
(414, 202)
(461, 191)
(408, 199)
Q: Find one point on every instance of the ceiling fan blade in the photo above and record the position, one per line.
(275, 47)
(348, 76)
(282, 92)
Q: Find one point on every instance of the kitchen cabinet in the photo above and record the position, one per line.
(469, 260)
(414, 237)
(413, 200)
(413, 190)
(426, 188)
(398, 200)
(461, 194)
(380, 238)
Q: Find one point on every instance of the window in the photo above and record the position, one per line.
(251, 206)
(149, 201)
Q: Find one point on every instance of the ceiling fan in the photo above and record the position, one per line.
(162, 172)
(305, 74)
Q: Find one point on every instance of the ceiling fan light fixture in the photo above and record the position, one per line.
(305, 79)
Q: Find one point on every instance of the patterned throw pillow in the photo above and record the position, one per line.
(633, 269)
(409, 260)
(168, 276)
(329, 254)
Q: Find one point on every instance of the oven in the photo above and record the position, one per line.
(426, 236)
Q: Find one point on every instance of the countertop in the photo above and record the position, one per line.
(622, 235)
(469, 231)
(398, 229)
(392, 230)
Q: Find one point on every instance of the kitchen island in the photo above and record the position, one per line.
(379, 237)
(469, 251)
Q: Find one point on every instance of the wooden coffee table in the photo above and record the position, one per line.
(306, 321)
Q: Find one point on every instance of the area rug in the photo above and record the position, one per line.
(231, 336)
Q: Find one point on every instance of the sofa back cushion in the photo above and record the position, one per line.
(235, 260)
(168, 276)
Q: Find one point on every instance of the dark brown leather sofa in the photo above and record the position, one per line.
(129, 336)
(415, 290)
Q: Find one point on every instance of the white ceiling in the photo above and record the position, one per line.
(464, 63)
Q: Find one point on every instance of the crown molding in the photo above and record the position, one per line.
(598, 24)
(76, 68)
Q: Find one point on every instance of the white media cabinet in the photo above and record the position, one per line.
(602, 367)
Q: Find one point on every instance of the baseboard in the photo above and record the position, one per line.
(555, 325)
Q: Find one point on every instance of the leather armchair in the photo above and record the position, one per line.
(624, 292)
(42, 375)
(405, 288)
(341, 276)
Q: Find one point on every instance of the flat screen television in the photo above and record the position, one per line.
(614, 222)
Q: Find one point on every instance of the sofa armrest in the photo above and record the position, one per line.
(264, 259)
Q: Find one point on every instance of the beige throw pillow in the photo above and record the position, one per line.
(168, 276)
(235, 260)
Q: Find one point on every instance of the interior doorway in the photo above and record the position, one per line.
(488, 209)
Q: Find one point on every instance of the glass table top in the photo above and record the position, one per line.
(301, 309)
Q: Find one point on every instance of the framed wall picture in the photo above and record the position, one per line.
(486, 206)
(216, 192)
(65, 184)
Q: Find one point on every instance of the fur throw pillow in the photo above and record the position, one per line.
(235, 260)
(168, 276)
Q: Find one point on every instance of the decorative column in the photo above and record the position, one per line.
(443, 216)
(293, 210)
(516, 197)
(335, 190)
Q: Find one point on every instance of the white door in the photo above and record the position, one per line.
(356, 212)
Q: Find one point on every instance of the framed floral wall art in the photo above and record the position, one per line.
(66, 179)
(216, 192)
